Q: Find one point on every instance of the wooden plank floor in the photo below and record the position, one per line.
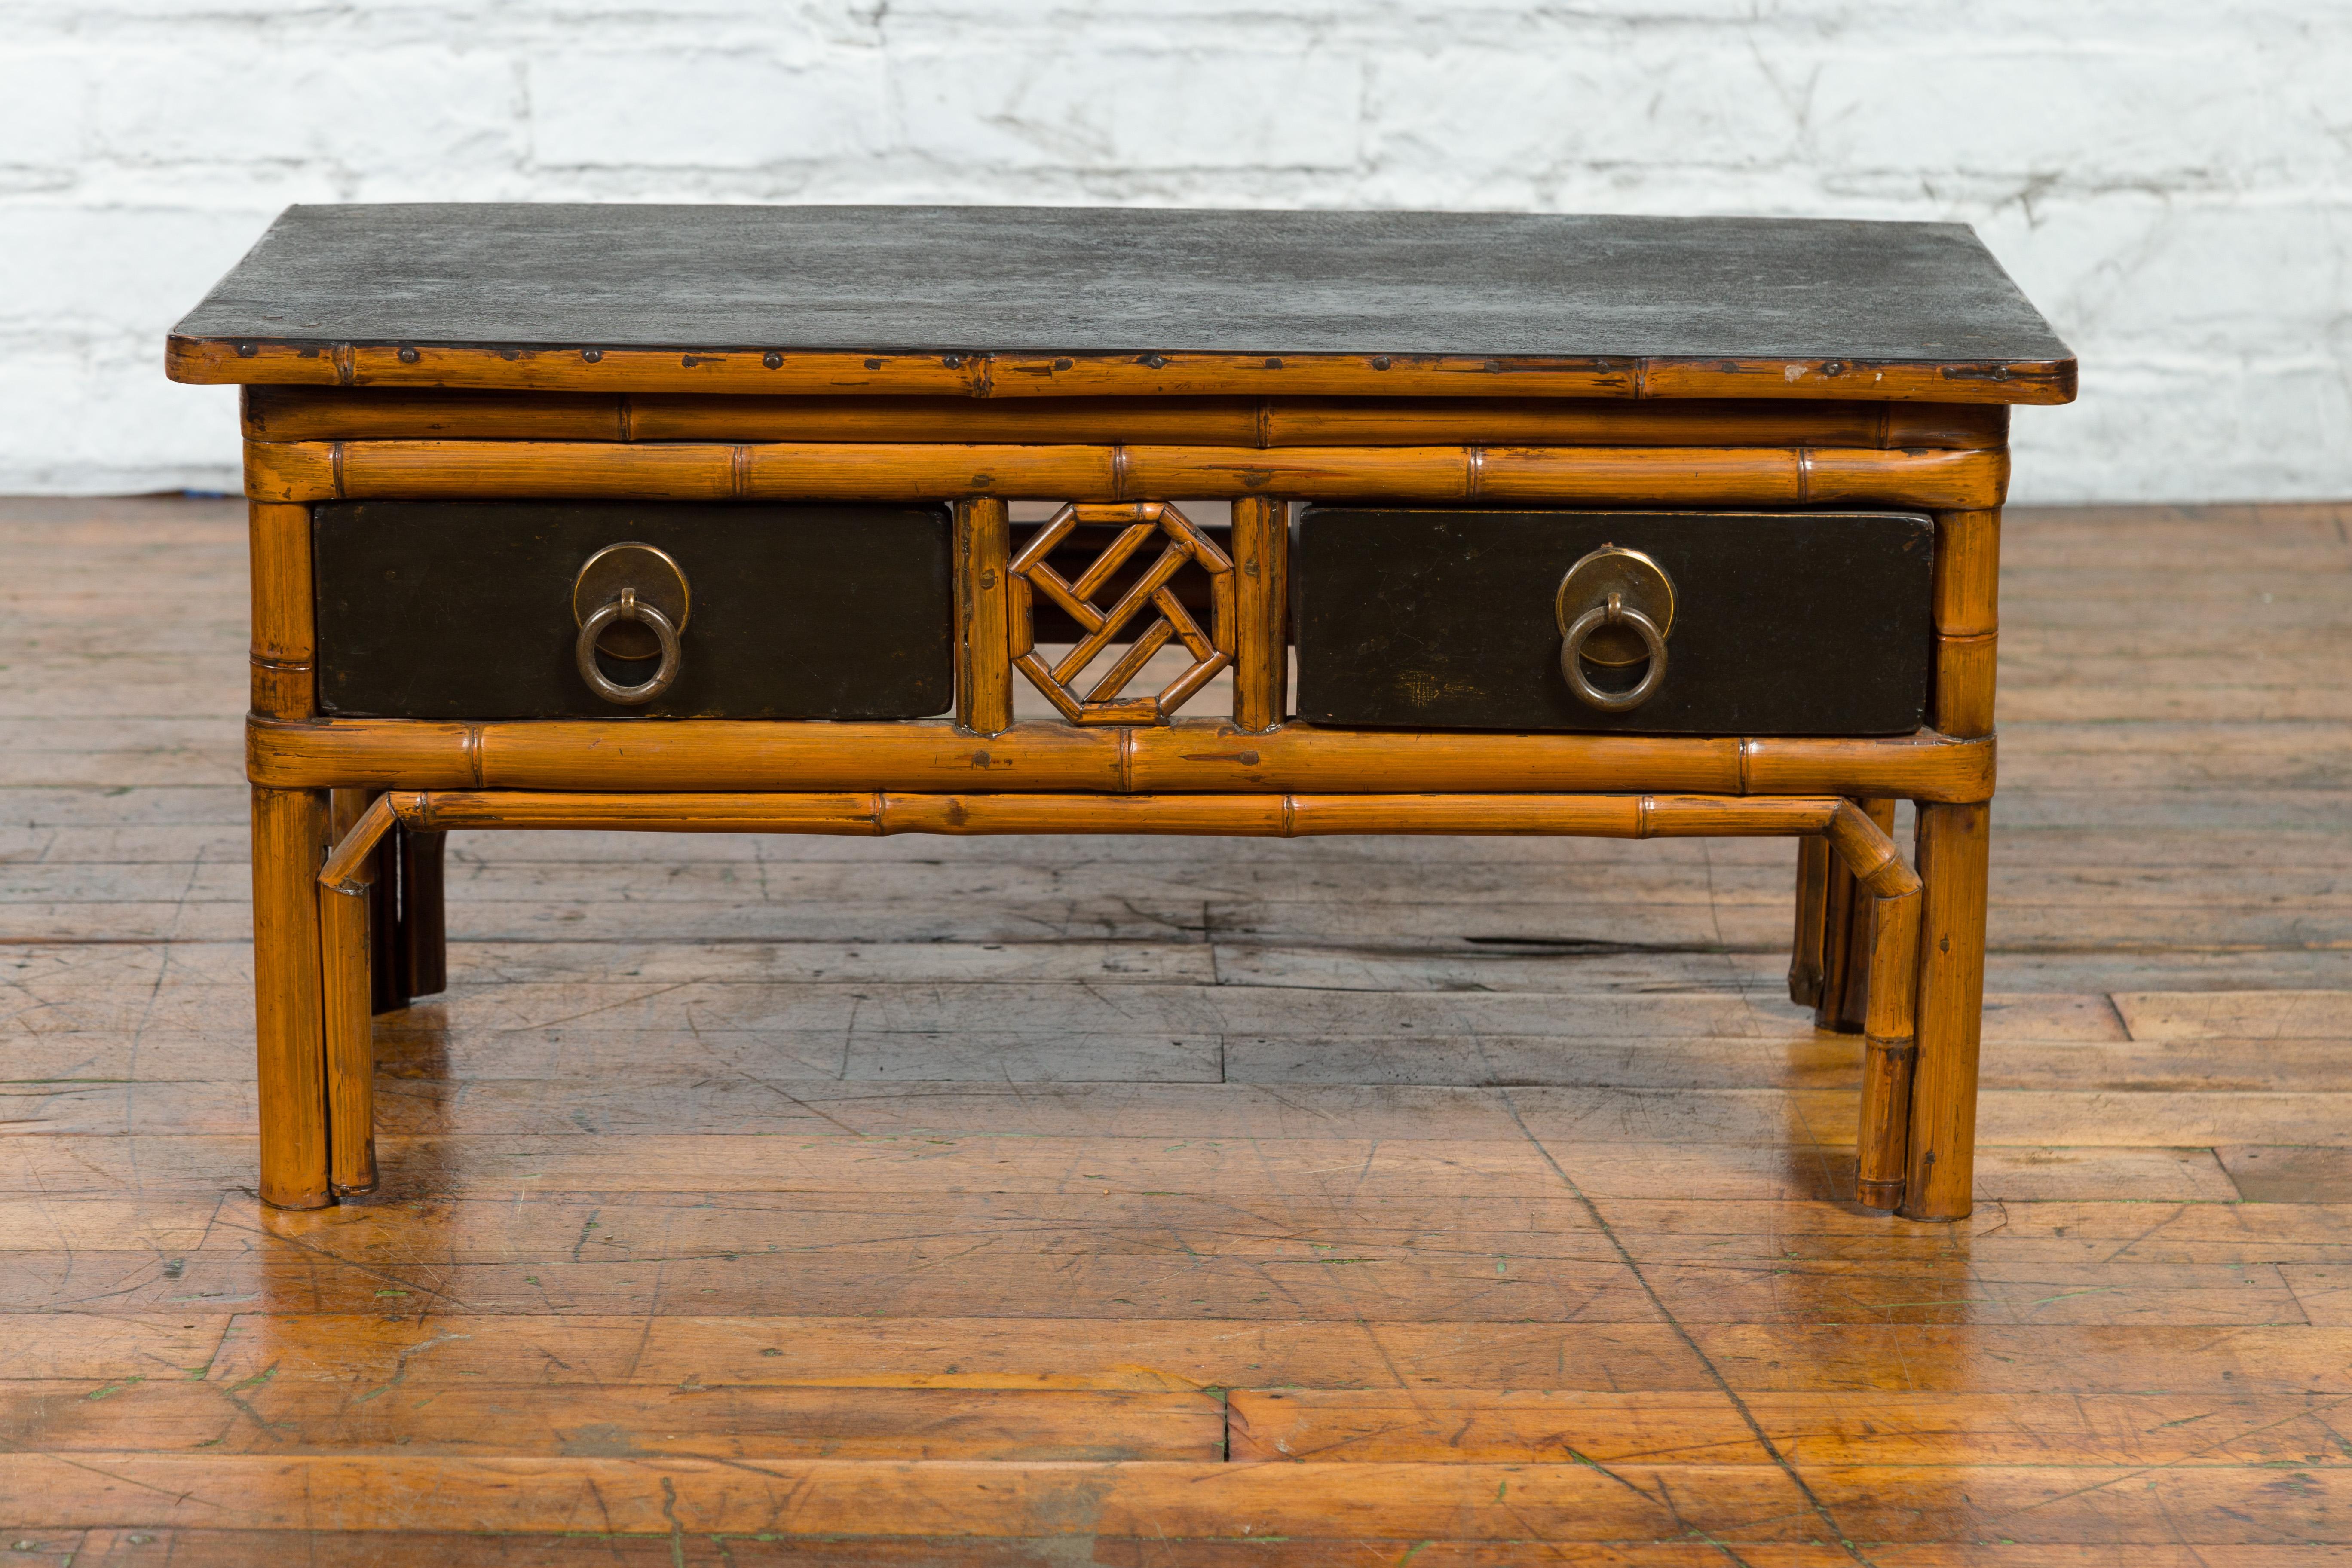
(1187, 1202)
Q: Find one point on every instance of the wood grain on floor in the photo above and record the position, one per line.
(1191, 1202)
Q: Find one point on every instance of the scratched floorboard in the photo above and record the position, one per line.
(1178, 1201)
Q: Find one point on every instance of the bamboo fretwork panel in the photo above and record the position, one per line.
(1030, 574)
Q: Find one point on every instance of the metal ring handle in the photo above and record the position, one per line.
(628, 608)
(1614, 612)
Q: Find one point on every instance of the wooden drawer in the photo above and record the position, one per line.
(1784, 623)
(463, 609)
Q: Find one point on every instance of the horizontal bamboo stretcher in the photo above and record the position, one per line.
(909, 471)
(1196, 756)
(879, 812)
(284, 413)
(755, 371)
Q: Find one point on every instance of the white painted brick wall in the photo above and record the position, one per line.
(2171, 180)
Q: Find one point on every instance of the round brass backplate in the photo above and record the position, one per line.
(659, 582)
(1642, 582)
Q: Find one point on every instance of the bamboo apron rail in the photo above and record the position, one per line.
(1697, 476)
(292, 413)
(1606, 526)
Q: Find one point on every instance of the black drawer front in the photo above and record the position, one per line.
(1785, 622)
(463, 609)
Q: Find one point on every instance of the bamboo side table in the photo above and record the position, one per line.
(696, 520)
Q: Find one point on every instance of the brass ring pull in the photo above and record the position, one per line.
(1614, 612)
(628, 608)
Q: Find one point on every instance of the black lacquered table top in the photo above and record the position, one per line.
(1122, 280)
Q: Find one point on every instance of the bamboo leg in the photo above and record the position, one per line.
(1837, 899)
(1888, 894)
(344, 809)
(351, 955)
(423, 945)
(407, 932)
(1888, 1052)
(1814, 863)
(1953, 840)
(1854, 1000)
(383, 877)
(984, 590)
(289, 836)
(387, 982)
(1262, 611)
(345, 991)
(407, 947)
(1843, 1004)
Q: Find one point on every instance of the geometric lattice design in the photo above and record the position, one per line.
(1212, 650)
